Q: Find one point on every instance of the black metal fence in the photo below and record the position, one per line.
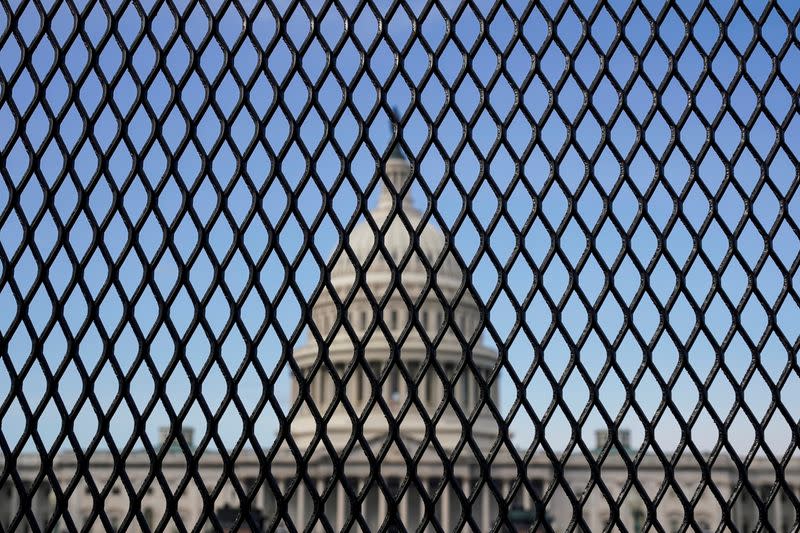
(579, 221)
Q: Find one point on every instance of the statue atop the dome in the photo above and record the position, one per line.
(397, 170)
(394, 130)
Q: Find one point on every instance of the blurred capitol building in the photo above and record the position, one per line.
(390, 345)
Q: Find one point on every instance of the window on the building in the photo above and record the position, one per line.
(393, 319)
(427, 382)
(638, 520)
(394, 385)
(359, 380)
(363, 320)
(424, 319)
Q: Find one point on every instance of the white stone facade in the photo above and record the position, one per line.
(595, 511)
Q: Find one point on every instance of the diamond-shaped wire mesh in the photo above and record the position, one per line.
(401, 266)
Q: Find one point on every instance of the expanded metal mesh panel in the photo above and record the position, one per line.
(399, 266)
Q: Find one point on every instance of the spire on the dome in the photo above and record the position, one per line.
(398, 169)
(394, 130)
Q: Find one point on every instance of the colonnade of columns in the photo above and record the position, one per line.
(466, 389)
(10, 503)
(777, 506)
(374, 506)
(745, 512)
(410, 508)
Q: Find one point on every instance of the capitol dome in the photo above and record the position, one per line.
(422, 320)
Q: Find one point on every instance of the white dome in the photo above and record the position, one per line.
(397, 240)
(365, 270)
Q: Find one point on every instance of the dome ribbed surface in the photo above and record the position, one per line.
(397, 240)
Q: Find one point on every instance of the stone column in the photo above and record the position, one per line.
(282, 491)
(320, 490)
(466, 406)
(625, 514)
(737, 510)
(505, 490)
(381, 506)
(365, 387)
(779, 510)
(402, 387)
(14, 503)
(404, 507)
(36, 508)
(465, 485)
(527, 499)
(300, 521)
(73, 504)
(340, 510)
(426, 484)
(593, 501)
(485, 508)
(362, 506)
(446, 507)
(262, 498)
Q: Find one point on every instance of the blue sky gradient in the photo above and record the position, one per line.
(722, 142)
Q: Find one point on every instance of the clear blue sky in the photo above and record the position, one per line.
(691, 172)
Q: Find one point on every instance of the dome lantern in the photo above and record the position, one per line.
(397, 169)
